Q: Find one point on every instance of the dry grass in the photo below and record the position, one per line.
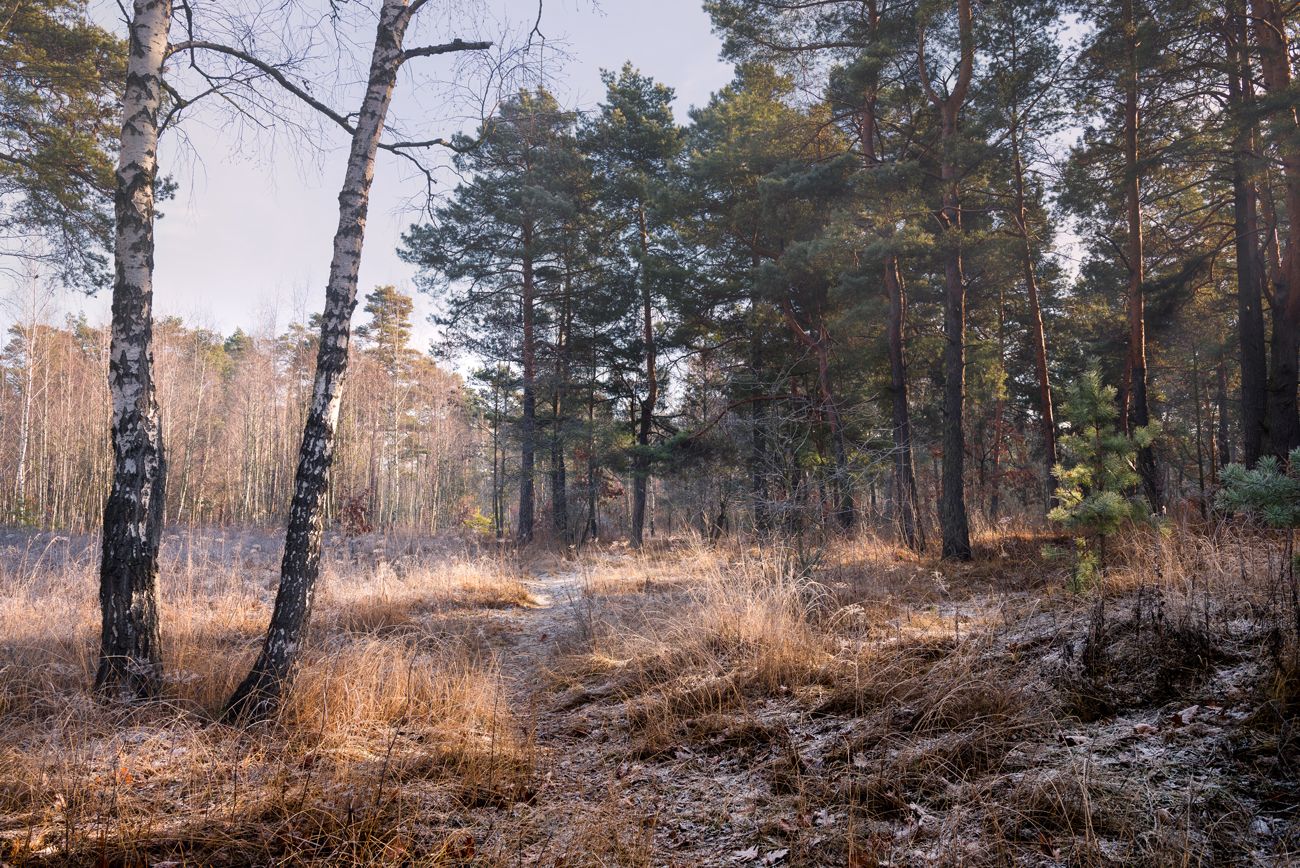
(964, 692)
(845, 703)
(395, 711)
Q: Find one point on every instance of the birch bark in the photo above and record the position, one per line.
(129, 660)
(260, 691)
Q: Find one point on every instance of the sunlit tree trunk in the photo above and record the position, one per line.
(130, 662)
(300, 567)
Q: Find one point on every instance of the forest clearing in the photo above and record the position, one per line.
(740, 432)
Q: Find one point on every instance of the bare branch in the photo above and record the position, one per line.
(445, 48)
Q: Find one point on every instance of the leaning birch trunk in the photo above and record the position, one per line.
(129, 660)
(260, 691)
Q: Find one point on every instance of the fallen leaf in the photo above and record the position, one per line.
(1144, 729)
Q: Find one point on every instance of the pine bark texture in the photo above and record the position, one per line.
(1250, 267)
(129, 658)
(1139, 406)
(1275, 65)
(953, 522)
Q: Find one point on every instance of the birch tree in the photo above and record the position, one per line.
(259, 692)
(129, 660)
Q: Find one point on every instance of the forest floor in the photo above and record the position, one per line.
(852, 705)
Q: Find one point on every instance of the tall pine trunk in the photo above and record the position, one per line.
(1139, 407)
(1275, 64)
(953, 521)
(129, 655)
(1250, 313)
(260, 691)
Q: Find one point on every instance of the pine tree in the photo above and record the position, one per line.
(1097, 471)
(493, 251)
(60, 81)
(632, 144)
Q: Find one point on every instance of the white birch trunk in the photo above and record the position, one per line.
(129, 660)
(259, 692)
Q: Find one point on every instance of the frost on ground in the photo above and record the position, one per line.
(689, 706)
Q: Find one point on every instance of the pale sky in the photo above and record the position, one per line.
(223, 263)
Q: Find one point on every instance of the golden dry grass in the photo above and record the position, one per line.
(962, 687)
(392, 710)
(843, 703)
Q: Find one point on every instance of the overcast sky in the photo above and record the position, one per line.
(222, 263)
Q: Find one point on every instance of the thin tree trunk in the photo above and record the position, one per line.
(498, 508)
(25, 424)
(1223, 447)
(1250, 315)
(260, 691)
(1199, 426)
(759, 490)
(1139, 409)
(528, 432)
(816, 340)
(130, 662)
(645, 422)
(904, 474)
(913, 531)
(1037, 333)
(999, 410)
(559, 484)
(953, 520)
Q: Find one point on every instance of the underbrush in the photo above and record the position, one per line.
(973, 714)
(844, 703)
(397, 714)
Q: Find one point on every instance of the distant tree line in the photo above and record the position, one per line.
(410, 445)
